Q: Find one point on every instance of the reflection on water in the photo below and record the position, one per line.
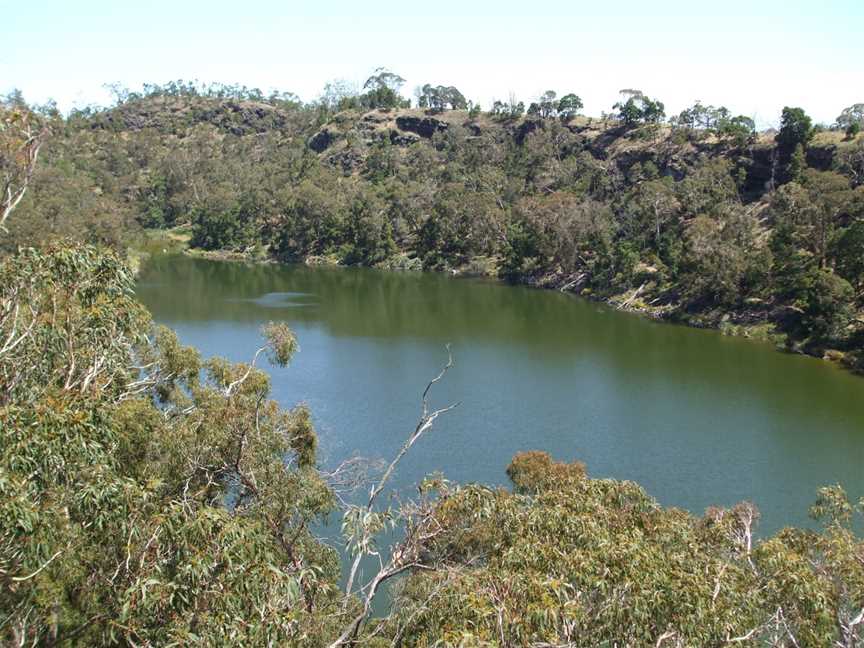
(695, 417)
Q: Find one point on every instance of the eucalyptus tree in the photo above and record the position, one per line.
(566, 560)
(150, 497)
(851, 116)
(569, 106)
(635, 107)
(441, 98)
(382, 89)
(22, 134)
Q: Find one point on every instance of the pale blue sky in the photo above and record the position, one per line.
(754, 57)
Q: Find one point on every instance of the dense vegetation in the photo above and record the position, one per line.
(566, 560)
(149, 497)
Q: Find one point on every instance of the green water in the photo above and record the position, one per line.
(697, 418)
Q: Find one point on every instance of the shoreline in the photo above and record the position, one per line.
(760, 330)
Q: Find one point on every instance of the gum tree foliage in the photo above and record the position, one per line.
(796, 131)
(566, 560)
(850, 162)
(382, 90)
(545, 106)
(569, 106)
(635, 107)
(851, 115)
(507, 110)
(22, 133)
(441, 98)
(849, 252)
(548, 106)
(120, 449)
(719, 121)
(150, 497)
(703, 117)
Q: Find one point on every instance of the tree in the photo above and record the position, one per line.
(815, 206)
(441, 98)
(796, 130)
(827, 304)
(383, 78)
(149, 497)
(702, 117)
(569, 106)
(120, 448)
(223, 222)
(629, 110)
(849, 252)
(382, 90)
(22, 134)
(722, 261)
(741, 129)
(566, 560)
(340, 94)
(636, 107)
(851, 116)
(718, 120)
(558, 229)
(547, 106)
(850, 161)
(651, 206)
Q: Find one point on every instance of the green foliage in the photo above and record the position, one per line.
(440, 98)
(70, 322)
(796, 131)
(382, 90)
(143, 503)
(635, 107)
(849, 252)
(522, 253)
(568, 560)
(569, 106)
(851, 116)
(505, 110)
(827, 303)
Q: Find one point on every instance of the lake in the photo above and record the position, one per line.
(697, 418)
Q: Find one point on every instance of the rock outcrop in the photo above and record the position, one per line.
(321, 140)
(422, 126)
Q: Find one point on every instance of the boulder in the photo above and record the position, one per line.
(423, 126)
(403, 139)
(821, 157)
(321, 140)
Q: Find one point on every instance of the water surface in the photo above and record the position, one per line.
(697, 418)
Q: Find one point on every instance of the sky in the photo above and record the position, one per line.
(753, 57)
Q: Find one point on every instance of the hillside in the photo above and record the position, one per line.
(756, 233)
